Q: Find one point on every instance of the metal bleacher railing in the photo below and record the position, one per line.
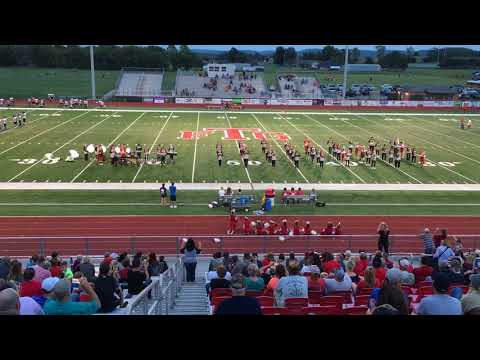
(159, 296)
(25, 246)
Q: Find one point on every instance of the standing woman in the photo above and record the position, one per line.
(383, 241)
(190, 251)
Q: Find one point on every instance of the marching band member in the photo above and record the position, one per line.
(85, 152)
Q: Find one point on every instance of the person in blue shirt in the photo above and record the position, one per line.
(61, 304)
(173, 195)
(440, 303)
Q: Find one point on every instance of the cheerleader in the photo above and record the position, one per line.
(469, 124)
(402, 150)
(232, 223)
(100, 155)
(269, 155)
(350, 147)
(264, 145)
(398, 158)
(219, 148)
(145, 154)
(343, 155)
(245, 158)
(306, 146)
(112, 155)
(329, 145)
(362, 154)
(163, 156)
(171, 153)
(357, 150)
(371, 144)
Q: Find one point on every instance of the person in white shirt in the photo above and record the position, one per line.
(221, 193)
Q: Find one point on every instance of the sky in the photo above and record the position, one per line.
(301, 47)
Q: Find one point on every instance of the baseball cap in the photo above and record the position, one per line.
(394, 276)
(441, 282)
(49, 283)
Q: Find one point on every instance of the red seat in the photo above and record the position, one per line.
(296, 303)
(322, 310)
(347, 296)
(218, 299)
(355, 310)
(424, 291)
(423, 284)
(266, 301)
(307, 274)
(268, 292)
(252, 293)
(314, 296)
(364, 291)
(331, 300)
(272, 310)
(220, 292)
(407, 289)
(362, 300)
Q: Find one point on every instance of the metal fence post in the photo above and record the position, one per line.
(42, 247)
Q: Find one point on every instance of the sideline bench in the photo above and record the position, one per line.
(240, 202)
(301, 199)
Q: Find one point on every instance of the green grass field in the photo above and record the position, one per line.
(25, 82)
(411, 76)
(453, 154)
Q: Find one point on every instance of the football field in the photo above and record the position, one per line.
(38, 151)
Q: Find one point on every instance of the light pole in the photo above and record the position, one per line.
(92, 72)
(345, 73)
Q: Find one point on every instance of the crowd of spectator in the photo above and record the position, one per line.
(54, 286)
(389, 284)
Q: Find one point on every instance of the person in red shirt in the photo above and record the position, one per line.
(329, 264)
(369, 281)
(423, 271)
(331, 229)
(299, 192)
(439, 236)
(107, 258)
(30, 287)
(260, 229)
(307, 230)
(361, 264)
(232, 223)
(284, 230)
(247, 226)
(55, 269)
(315, 281)
(272, 228)
(285, 193)
(296, 228)
(380, 272)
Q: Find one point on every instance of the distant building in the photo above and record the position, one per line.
(363, 68)
(220, 69)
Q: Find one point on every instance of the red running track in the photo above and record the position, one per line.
(118, 232)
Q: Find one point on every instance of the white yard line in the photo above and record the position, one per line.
(152, 186)
(380, 159)
(43, 132)
(195, 151)
(153, 144)
(254, 112)
(91, 162)
(59, 148)
(281, 149)
(326, 151)
(429, 159)
(237, 149)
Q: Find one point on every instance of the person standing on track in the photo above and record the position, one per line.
(232, 223)
(173, 195)
(247, 226)
(383, 239)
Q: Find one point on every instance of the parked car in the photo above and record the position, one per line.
(469, 91)
(355, 87)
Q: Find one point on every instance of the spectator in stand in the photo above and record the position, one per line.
(4, 267)
(347, 256)
(361, 264)
(153, 265)
(315, 281)
(424, 271)
(29, 286)
(42, 270)
(55, 256)
(9, 302)
(407, 277)
(241, 266)
(163, 264)
(440, 303)
(190, 251)
(109, 292)
(239, 304)
(217, 259)
(47, 287)
(307, 265)
(220, 282)
(253, 281)
(380, 271)
(471, 301)
(385, 309)
(383, 237)
(107, 258)
(454, 271)
(32, 261)
(391, 292)
(268, 259)
(389, 263)
(439, 236)
(340, 282)
(76, 264)
(443, 253)
(329, 264)
(427, 239)
(136, 278)
(255, 260)
(281, 259)
(292, 286)
(276, 275)
(55, 269)
(15, 273)
(123, 273)
(66, 272)
(61, 304)
(349, 267)
(369, 280)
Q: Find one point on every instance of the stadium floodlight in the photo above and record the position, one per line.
(345, 70)
(92, 72)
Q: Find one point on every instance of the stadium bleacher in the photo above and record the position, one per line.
(140, 83)
(292, 86)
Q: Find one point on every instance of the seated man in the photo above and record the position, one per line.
(440, 303)
(239, 304)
